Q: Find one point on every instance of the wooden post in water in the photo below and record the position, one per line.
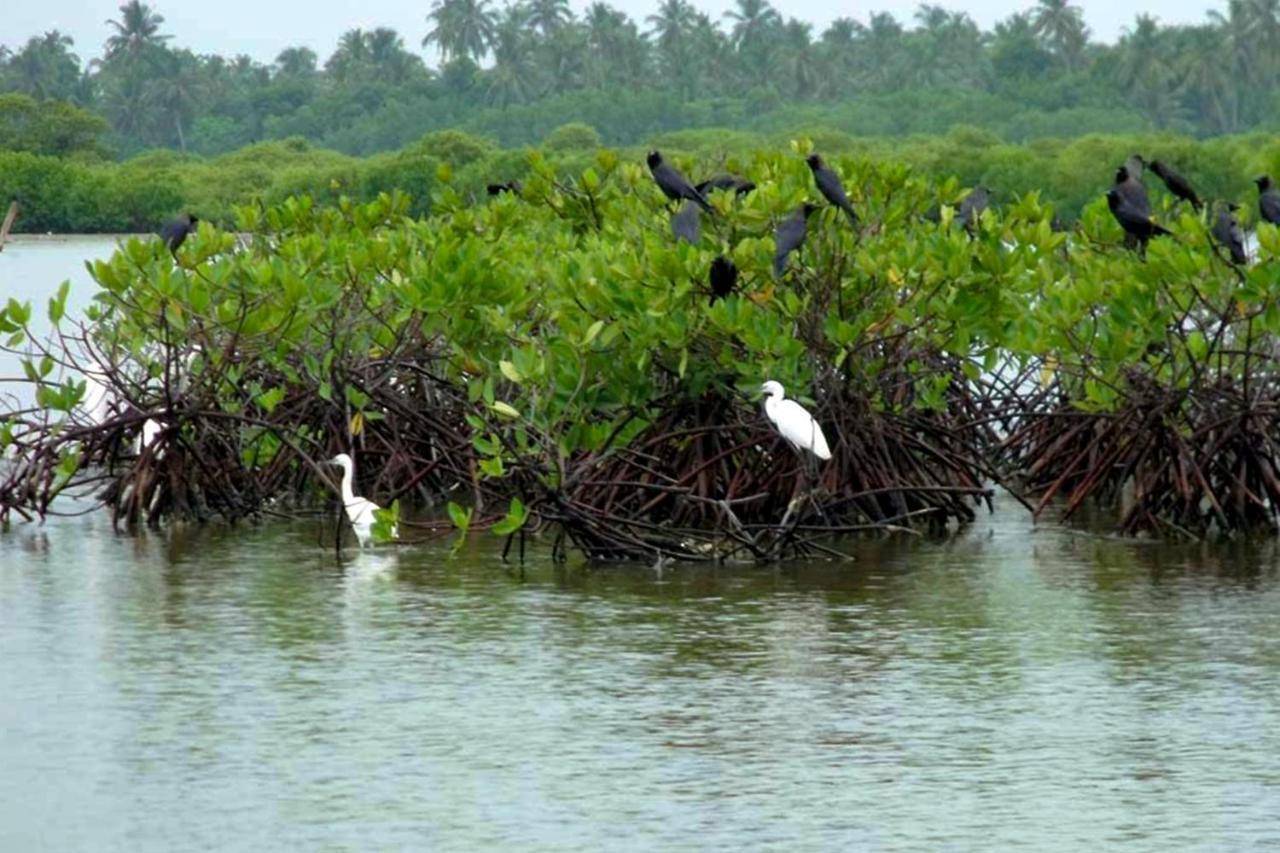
(8, 222)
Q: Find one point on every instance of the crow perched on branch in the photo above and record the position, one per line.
(1268, 199)
(1136, 223)
(724, 277)
(726, 182)
(1177, 184)
(174, 232)
(1132, 191)
(829, 185)
(505, 187)
(686, 224)
(972, 205)
(674, 185)
(790, 236)
(1229, 234)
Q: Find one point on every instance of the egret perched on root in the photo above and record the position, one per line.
(793, 422)
(359, 510)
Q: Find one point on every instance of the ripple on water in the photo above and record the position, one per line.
(1013, 686)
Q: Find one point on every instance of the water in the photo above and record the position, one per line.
(240, 689)
(31, 269)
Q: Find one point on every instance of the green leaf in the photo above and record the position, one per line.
(509, 370)
(460, 517)
(514, 519)
(504, 409)
(593, 332)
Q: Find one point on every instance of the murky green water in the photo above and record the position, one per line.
(241, 690)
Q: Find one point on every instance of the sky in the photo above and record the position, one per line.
(262, 28)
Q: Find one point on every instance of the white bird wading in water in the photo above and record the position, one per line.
(794, 424)
(359, 510)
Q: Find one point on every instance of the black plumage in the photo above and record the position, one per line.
(724, 277)
(505, 187)
(972, 205)
(726, 182)
(830, 186)
(790, 236)
(686, 223)
(1177, 184)
(175, 231)
(1268, 200)
(1132, 191)
(674, 185)
(1229, 234)
(1135, 223)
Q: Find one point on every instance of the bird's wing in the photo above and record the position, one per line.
(360, 511)
(1270, 205)
(798, 427)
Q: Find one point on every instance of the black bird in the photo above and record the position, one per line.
(726, 182)
(1229, 234)
(1177, 184)
(686, 224)
(505, 187)
(829, 185)
(790, 236)
(1132, 191)
(724, 277)
(972, 205)
(1136, 223)
(673, 184)
(1268, 199)
(174, 233)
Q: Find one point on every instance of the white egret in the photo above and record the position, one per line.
(794, 423)
(359, 510)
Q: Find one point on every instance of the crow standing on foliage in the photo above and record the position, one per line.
(1177, 184)
(1132, 192)
(686, 224)
(726, 182)
(724, 277)
(505, 187)
(972, 205)
(1268, 199)
(673, 184)
(790, 236)
(174, 232)
(1136, 223)
(829, 185)
(1229, 234)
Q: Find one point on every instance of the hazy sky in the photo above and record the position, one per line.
(261, 28)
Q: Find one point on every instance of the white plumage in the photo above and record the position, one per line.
(793, 422)
(359, 510)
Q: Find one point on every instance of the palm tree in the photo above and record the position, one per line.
(45, 67)
(387, 57)
(296, 62)
(549, 16)
(461, 28)
(351, 59)
(1208, 79)
(673, 25)
(1061, 25)
(796, 60)
(135, 34)
(514, 77)
(176, 92)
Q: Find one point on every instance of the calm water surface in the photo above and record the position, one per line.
(241, 689)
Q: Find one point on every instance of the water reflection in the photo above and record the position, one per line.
(1017, 685)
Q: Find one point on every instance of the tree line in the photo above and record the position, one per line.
(516, 72)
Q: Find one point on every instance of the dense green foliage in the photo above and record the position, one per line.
(87, 195)
(517, 73)
(526, 345)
